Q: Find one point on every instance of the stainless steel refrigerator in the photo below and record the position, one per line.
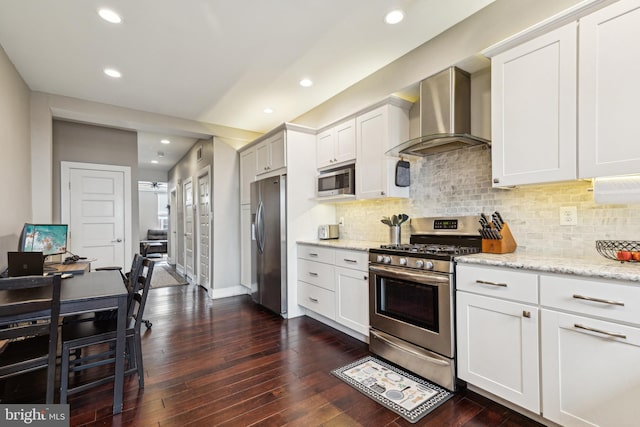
(269, 243)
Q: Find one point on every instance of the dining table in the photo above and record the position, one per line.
(85, 293)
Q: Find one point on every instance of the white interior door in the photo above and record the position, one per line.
(204, 229)
(95, 201)
(188, 229)
(173, 226)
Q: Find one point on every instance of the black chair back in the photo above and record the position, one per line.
(141, 291)
(30, 309)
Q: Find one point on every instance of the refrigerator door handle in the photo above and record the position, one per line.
(260, 227)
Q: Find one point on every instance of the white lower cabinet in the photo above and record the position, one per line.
(334, 283)
(590, 351)
(352, 296)
(497, 338)
(590, 376)
(498, 348)
(583, 372)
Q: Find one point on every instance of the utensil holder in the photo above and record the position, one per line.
(394, 235)
(500, 246)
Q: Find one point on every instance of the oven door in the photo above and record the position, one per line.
(414, 306)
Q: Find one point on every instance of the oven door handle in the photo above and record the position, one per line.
(408, 350)
(419, 276)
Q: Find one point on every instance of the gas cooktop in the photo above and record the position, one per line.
(430, 249)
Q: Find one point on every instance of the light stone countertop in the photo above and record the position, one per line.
(356, 245)
(595, 267)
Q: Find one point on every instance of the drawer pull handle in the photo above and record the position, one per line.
(600, 331)
(353, 261)
(485, 282)
(604, 301)
(313, 254)
(311, 273)
(313, 299)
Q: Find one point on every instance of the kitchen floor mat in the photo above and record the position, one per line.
(405, 394)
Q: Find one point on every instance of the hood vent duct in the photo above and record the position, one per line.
(445, 116)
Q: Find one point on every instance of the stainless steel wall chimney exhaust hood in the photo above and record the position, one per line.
(445, 116)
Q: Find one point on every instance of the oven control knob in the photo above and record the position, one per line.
(403, 261)
(387, 260)
(419, 263)
(428, 265)
(379, 258)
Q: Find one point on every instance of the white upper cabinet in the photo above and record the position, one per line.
(534, 110)
(271, 154)
(609, 91)
(336, 145)
(580, 76)
(377, 131)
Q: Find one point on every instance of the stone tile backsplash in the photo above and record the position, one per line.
(459, 183)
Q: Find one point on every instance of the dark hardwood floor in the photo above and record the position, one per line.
(229, 362)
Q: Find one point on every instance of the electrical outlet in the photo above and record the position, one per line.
(341, 222)
(569, 215)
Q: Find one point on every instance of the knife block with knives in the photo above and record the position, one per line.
(496, 235)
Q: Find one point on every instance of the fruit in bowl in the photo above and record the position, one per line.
(635, 255)
(624, 255)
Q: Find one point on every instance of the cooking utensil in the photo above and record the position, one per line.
(394, 219)
(386, 221)
(403, 218)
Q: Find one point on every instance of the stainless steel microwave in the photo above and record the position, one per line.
(337, 182)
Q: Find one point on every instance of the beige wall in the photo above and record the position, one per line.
(15, 150)
(78, 142)
(490, 25)
(186, 168)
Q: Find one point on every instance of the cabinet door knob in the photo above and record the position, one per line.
(526, 314)
(365, 278)
(496, 180)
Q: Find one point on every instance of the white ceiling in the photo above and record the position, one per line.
(215, 61)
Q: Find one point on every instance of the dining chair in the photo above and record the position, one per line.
(29, 324)
(130, 281)
(97, 334)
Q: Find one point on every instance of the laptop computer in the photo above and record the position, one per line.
(25, 263)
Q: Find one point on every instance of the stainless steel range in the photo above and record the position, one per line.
(411, 296)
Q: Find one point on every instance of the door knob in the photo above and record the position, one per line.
(116, 241)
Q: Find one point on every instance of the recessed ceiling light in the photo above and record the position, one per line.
(112, 73)
(110, 16)
(306, 82)
(165, 141)
(268, 110)
(155, 162)
(394, 17)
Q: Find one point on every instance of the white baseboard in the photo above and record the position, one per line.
(230, 291)
(503, 402)
(335, 325)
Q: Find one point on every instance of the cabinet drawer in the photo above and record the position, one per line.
(502, 283)
(317, 273)
(316, 253)
(358, 260)
(600, 298)
(314, 298)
